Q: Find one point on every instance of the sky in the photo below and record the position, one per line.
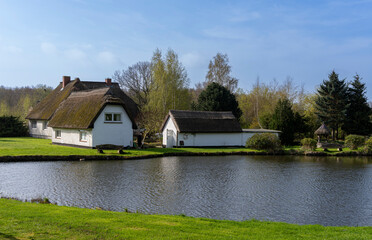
(41, 41)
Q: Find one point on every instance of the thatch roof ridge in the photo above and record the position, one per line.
(202, 114)
(45, 109)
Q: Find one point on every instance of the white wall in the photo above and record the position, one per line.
(113, 133)
(169, 125)
(39, 132)
(72, 137)
(210, 139)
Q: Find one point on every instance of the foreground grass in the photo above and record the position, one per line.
(19, 220)
(34, 146)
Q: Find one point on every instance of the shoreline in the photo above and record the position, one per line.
(38, 158)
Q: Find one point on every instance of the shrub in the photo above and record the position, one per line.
(12, 127)
(368, 146)
(264, 141)
(308, 144)
(354, 141)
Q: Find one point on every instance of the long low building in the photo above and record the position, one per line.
(205, 129)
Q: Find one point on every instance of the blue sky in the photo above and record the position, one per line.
(40, 41)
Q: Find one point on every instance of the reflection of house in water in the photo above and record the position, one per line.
(205, 129)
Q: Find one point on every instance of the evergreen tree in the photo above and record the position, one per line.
(358, 112)
(218, 98)
(331, 102)
(283, 119)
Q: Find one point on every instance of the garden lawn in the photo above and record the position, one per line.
(27, 146)
(19, 220)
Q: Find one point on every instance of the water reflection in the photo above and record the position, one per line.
(304, 190)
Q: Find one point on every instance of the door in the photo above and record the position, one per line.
(170, 138)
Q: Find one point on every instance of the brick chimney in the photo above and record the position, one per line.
(108, 81)
(65, 81)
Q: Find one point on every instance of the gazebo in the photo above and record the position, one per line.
(322, 131)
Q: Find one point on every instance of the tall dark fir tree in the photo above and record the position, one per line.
(358, 112)
(331, 102)
(283, 119)
(217, 98)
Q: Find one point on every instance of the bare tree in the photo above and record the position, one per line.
(219, 71)
(136, 82)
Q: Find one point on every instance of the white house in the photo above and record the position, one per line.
(85, 114)
(205, 129)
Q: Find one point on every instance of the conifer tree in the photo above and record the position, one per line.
(283, 119)
(218, 98)
(331, 102)
(358, 112)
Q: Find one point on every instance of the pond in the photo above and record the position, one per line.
(304, 190)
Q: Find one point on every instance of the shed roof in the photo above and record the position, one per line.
(203, 121)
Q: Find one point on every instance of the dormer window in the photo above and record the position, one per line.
(112, 117)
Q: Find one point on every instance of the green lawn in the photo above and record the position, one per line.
(19, 220)
(35, 146)
(27, 146)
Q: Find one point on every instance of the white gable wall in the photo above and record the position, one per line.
(169, 125)
(39, 132)
(113, 133)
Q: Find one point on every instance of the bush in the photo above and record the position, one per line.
(264, 141)
(368, 146)
(12, 127)
(354, 141)
(308, 144)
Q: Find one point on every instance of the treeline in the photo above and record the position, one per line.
(18, 101)
(162, 84)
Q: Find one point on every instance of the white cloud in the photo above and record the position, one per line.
(106, 57)
(48, 48)
(13, 49)
(75, 54)
(191, 59)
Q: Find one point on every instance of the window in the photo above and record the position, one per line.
(83, 136)
(113, 117)
(58, 134)
(44, 125)
(33, 124)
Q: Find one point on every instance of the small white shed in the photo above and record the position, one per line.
(204, 129)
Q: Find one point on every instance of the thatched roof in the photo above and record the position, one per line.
(81, 109)
(45, 109)
(322, 130)
(203, 121)
(74, 105)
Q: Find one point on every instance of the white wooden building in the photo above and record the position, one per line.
(85, 114)
(205, 129)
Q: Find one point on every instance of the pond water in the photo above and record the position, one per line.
(304, 190)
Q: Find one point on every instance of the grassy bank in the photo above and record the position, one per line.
(32, 146)
(19, 220)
